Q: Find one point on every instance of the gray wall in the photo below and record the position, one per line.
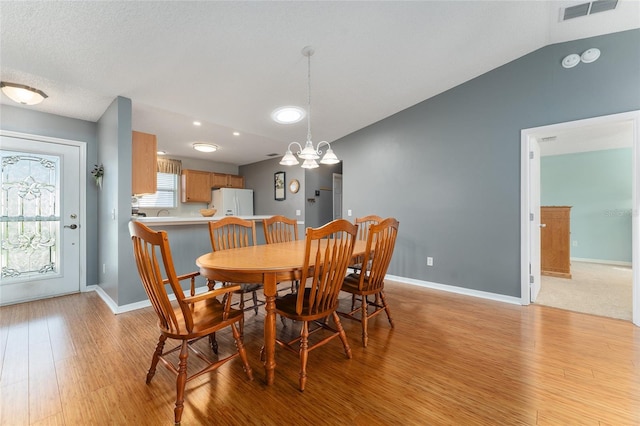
(319, 211)
(120, 280)
(449, 167)
(25, 120)
(260, 178)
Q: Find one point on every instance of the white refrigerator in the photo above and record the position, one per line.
(233, 202)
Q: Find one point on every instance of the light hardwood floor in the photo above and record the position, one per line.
(451, 360)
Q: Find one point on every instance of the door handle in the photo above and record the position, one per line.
(543, 225)
(73, 226)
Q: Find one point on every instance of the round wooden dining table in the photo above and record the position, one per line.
(268, 264)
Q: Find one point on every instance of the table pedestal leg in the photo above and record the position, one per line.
(270, 327)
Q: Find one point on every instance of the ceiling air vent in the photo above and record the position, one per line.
(590, 8)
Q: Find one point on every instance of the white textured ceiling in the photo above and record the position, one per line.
(229, 64)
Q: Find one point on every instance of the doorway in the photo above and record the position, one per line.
(41, 219)
(531, 140)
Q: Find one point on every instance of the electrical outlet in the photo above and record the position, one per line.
(429, 261)
(575, 243)
(298, 212)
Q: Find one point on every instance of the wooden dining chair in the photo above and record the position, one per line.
(281, 229)
(363, 232)
(232, 232)
(327, 254)
(189, 318)
(370, 279)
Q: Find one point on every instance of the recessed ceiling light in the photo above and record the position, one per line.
(288, 114)
(236, 133)
(205, 147)
(161, 152)
(197, 123)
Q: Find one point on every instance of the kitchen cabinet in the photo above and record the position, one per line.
(234, 181)
(196, 186)
(221, 180)
(555, 244)
(218, 180)
(144, 148)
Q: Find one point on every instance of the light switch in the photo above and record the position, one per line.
(349, 212)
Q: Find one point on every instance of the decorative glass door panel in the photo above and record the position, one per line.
(39, 224)
(29, 216)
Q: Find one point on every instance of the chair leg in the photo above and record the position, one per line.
(242, 351)
(181, 381)
(304, 354)
(386, 308)
(343, 335)
(364, 320)
(254, 295)
(156, 358)
(353, 301)
(213, 343)
(241, 326)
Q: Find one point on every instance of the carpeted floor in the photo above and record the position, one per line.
(594, 288)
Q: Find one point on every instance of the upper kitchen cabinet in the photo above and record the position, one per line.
(196, 186)
(235, 181)
(220, 180)
(143, 161)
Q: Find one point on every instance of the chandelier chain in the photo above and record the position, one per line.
(309, 96)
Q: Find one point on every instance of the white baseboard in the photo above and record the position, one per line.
(131, 306)
(457, 290)
(427, 284)
(604, 262)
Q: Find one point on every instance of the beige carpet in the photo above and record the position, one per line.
(594, 288)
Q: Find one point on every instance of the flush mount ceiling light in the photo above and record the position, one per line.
(205, 147)
(309, 154)
(22, 94)
(288, 114)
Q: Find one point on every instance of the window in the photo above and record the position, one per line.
(166, 195)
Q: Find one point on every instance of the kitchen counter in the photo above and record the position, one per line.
(190, 220)
(190, 239)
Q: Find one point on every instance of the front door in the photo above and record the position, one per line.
(39, 219)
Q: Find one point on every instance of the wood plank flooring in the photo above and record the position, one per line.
(451, 360)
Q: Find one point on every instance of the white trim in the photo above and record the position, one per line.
(131, 306)
(526, 135)
(602, 261)
(82, 222)
(457, 290)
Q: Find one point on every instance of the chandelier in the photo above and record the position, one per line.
(309, 154)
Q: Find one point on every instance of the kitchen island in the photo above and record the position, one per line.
(189, 236)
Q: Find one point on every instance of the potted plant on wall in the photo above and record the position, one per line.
(98, 173)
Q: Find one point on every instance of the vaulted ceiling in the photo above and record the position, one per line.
(230, 64)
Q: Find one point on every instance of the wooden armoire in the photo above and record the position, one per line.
(555, 241)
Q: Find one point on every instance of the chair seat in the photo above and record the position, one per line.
(207, 318)
(246, 288)
(286, 306)
(351, 283)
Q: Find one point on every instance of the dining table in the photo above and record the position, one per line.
(268, 264)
